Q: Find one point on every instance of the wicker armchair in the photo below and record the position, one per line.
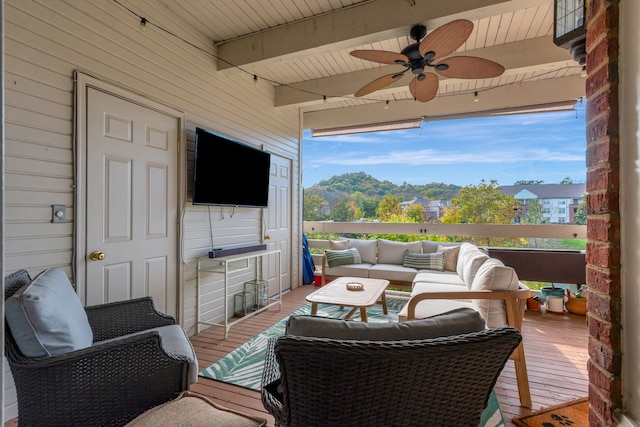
(443, 381)
(109, 383)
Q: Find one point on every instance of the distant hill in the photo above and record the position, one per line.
(361, 182)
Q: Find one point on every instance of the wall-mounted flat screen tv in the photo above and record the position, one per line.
(229, 173)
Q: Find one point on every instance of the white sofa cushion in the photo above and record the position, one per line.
(443, 277)
(390, 252)
(429, 246)
(494, 275)
(354, 270)
(367, 249)
(470, 258)
(392, 272)
(439, 287)
(338, 244)
(428, 308)
(46, 317)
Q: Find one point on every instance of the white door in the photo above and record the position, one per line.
(278, 221)
(131, 198)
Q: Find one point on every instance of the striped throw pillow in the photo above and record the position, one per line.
(343, 257)
(433, 261)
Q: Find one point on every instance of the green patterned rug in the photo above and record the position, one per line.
(243, 366)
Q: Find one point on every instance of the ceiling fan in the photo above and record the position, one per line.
(430, 52)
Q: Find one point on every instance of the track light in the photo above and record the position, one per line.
(324, 99)
(475, 96)
(386, 104)
(143, 23)
(255, 79)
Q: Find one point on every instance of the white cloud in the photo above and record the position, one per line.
(437, 157)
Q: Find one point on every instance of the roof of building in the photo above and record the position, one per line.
(419, 201)
(547, 191)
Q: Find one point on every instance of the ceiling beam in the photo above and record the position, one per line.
(515, 57)
(534, 92)
(352, 26)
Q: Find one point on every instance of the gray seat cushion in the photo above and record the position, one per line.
(392, 272)
(461, 321)
(46, 317)
(356, 270)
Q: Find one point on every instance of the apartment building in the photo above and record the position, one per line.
(558, 203)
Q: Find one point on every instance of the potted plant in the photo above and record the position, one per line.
(577, 303)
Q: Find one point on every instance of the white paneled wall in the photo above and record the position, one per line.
(45, 42)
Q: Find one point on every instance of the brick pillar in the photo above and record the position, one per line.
(603, 209)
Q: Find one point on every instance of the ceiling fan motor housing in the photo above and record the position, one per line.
(416, 61)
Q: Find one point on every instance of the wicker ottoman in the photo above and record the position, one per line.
(194, 410)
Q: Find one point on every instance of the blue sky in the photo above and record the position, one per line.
(544, 146)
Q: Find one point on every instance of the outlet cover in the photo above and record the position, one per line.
(58, 213)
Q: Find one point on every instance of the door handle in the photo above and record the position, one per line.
(97, 256)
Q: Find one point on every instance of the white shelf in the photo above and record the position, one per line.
(230, 264)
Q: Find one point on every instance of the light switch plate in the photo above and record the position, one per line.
(58, 213)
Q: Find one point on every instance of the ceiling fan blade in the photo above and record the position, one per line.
(381, 56)
(377, 84)
(447, 38)
(426, 89)
(470, 67)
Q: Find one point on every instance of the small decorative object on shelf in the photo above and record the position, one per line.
(244, 304)
(355, 286)
(259, 289)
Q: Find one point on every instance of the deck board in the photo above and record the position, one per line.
(555, 349)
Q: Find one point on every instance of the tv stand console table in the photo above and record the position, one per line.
(229, 264)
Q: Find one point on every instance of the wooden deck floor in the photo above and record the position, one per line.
(555, 348)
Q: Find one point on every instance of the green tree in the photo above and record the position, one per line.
(369, 206)
(315, 207)
(567, 180)
(534, 213)
(581, 215)
(340, 210)
(414, 213)
(389, 206)
(354, 211)
(482, 204)
(358, 197)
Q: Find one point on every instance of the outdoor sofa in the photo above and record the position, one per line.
(442, 277)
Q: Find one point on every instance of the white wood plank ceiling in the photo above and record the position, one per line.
(301, 47)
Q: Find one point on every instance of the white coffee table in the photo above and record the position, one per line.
(336, 293)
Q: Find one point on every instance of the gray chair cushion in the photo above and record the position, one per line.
(456, 322)
(46, 317)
